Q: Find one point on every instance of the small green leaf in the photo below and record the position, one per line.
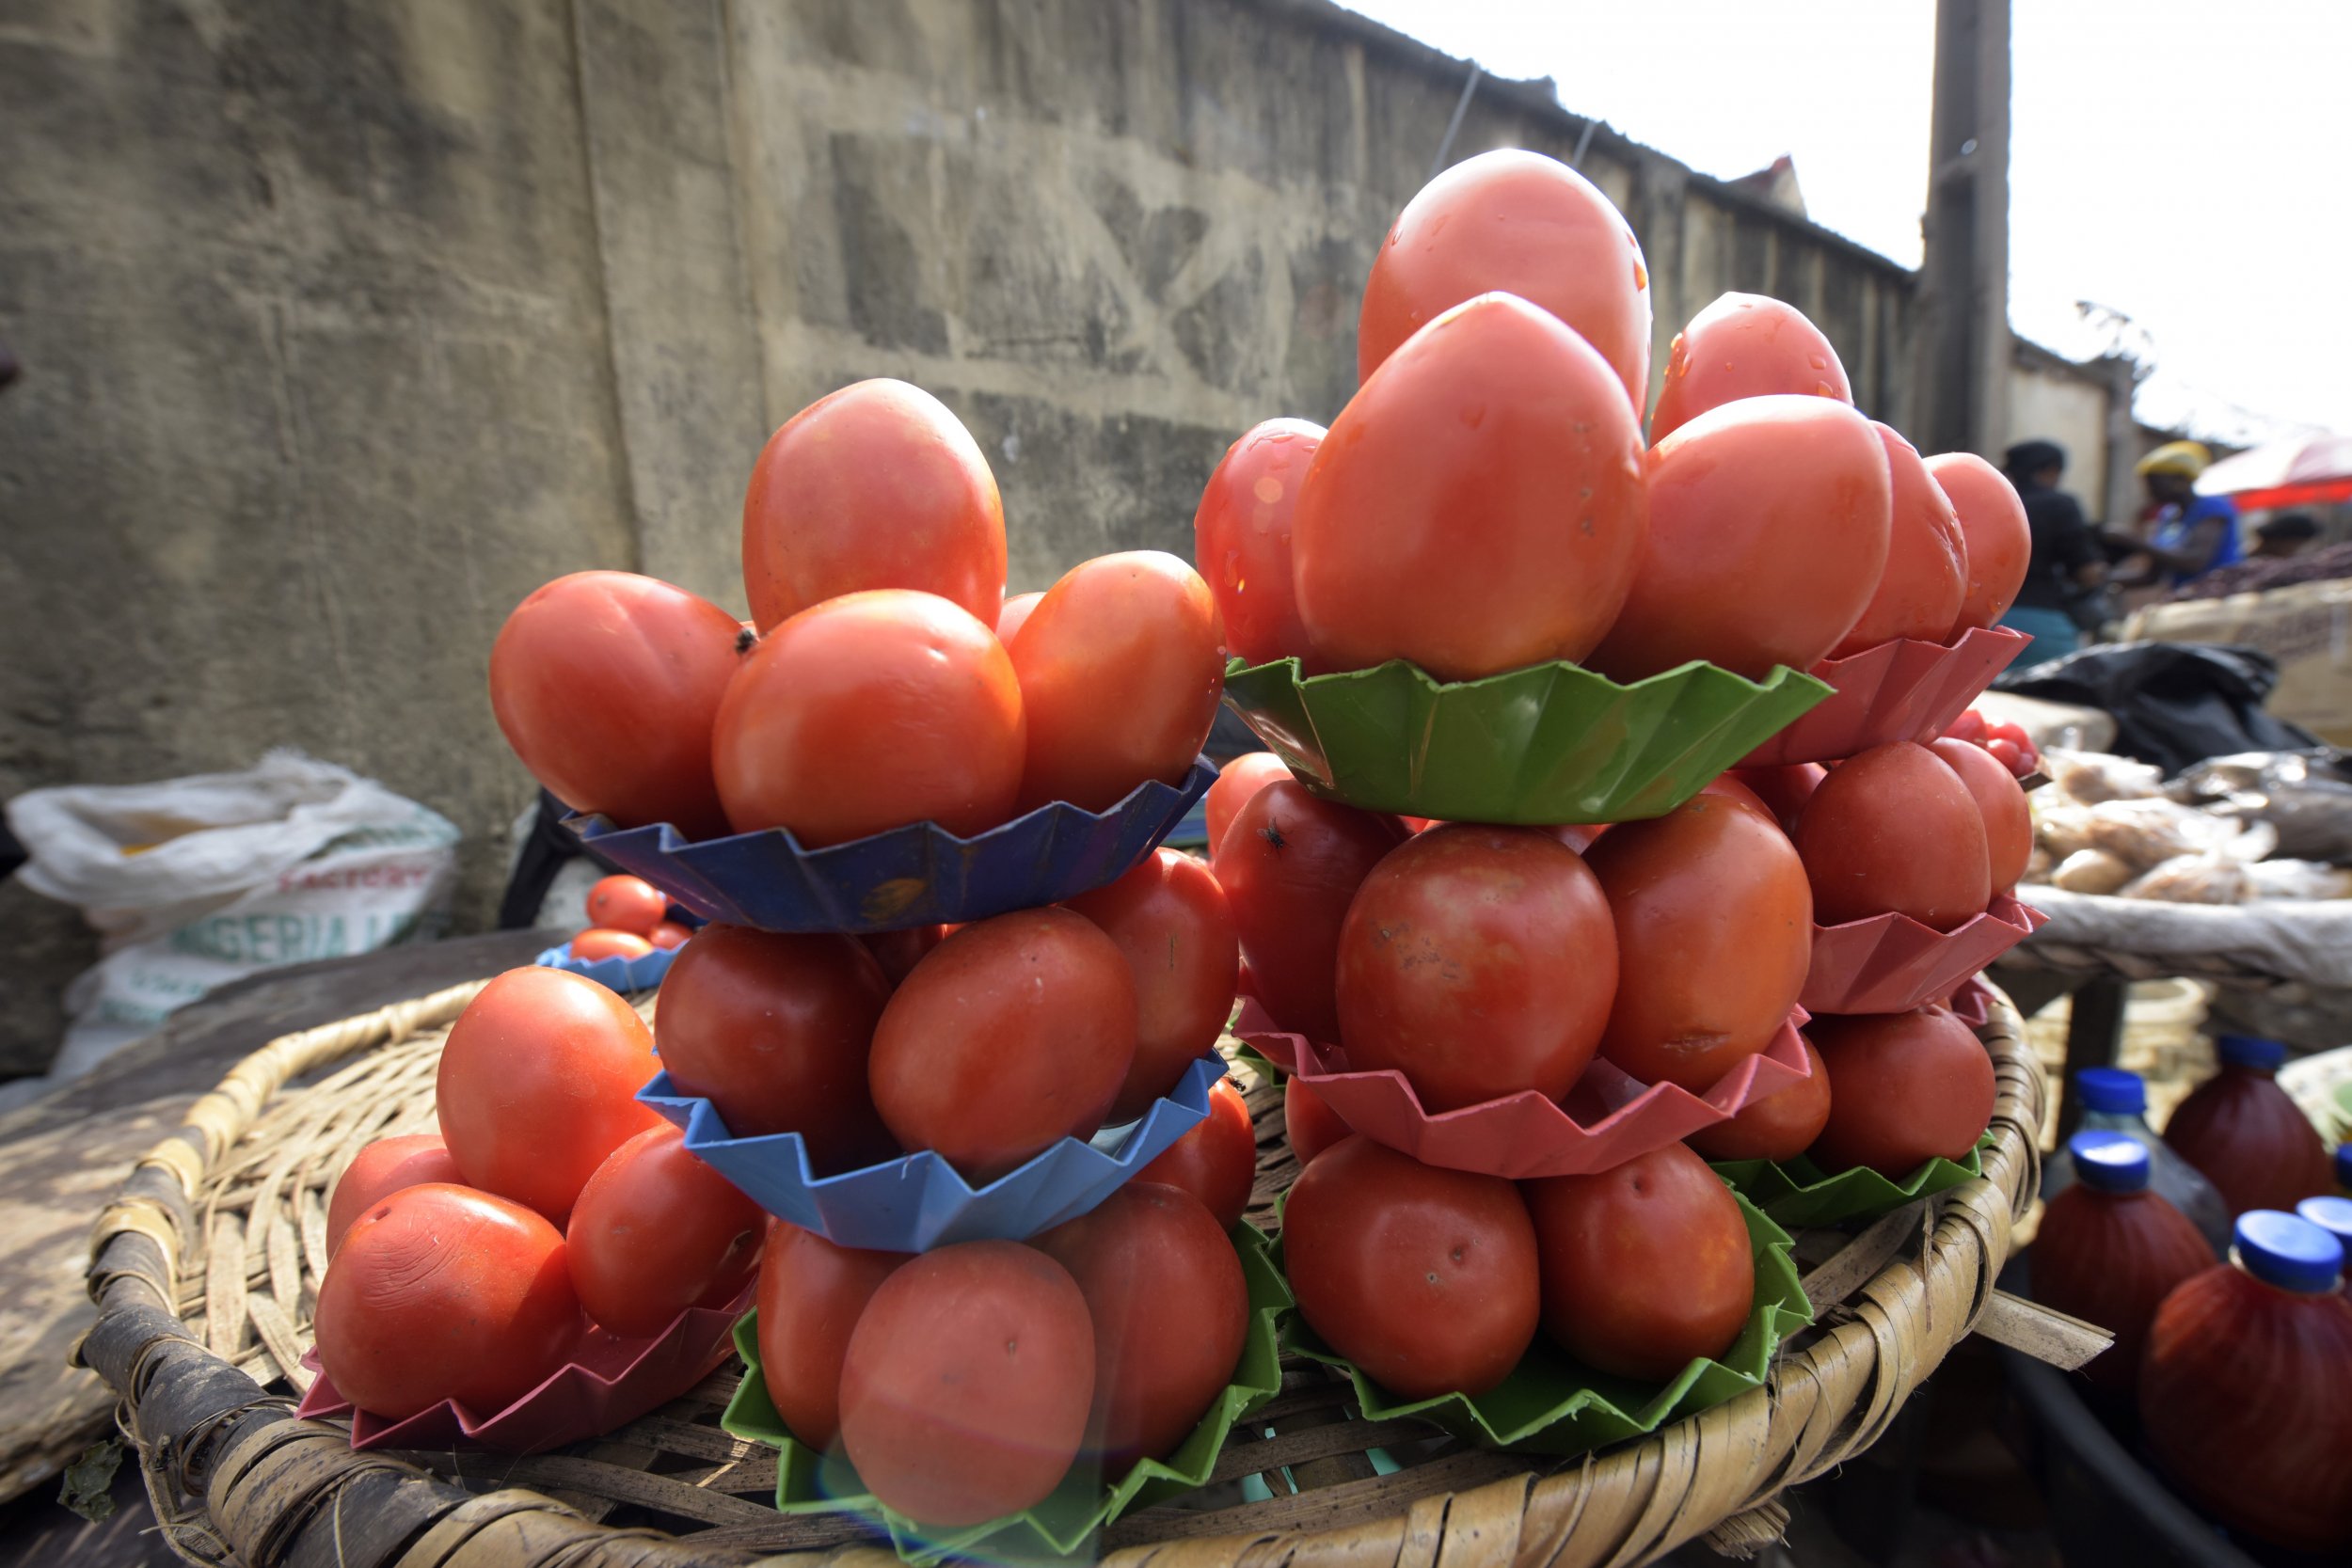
(89, 1481)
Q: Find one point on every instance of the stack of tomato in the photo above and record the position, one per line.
(628, 918)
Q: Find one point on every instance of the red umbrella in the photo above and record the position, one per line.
(2301, 470)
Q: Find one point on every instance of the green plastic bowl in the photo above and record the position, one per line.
(1796, 1194)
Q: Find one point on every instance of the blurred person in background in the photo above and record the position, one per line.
(2185, 534)
(2060, 598)
(2290, 534)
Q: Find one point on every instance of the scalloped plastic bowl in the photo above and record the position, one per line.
(1549, 744)
(608, 1383)
(1610, 1116)
(919, 1201)
(1794, 1193)
(918, 875)
(621, 975)
(1891, 963)
(1899, 691)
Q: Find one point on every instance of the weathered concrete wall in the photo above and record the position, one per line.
(346, 322)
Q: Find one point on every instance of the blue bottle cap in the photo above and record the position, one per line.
(2251, 1051)
(2290, 1253)
(2109, 1162)
(2343, 1166)
(2113, 1090)
(2331, 1215)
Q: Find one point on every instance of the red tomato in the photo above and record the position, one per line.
(1291, 865)
(1309, 1122)
(1217, 1160)
(2010, 755)
(1525, 224)
(1969, 726)
(1647, 1265)
(1478, 505)
(2010, 731)
(1768, 534)
(1012, 1034)
(538, 1082)
(1241, 537)
(1714, 925)
(810, 1296)
(1170, 920)
(869, 712)
(1236, 782)
(966, 1392)
(1784, 791)
(670, 935)
(596, 943)
(1121, 668)
(1015, 615)
(898, 952)
(1926, 580)
(1729, 788)
(1911, 1087)
(1777, 1127)
(1893, 830)
(607, 684)
(1744, 346)
(876, 485)
(628, 904)
(2008, 820)
(1424, 1278)
(1478, 962)
(1999, 544)
(1169, 1308)
(774, 1030)
(441, 1293)
(381, 1169)
(657, 1232)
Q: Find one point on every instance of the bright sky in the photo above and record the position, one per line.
(2186, 164)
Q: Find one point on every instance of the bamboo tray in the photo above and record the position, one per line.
(206, 1266)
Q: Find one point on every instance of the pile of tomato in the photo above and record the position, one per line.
(628, 918)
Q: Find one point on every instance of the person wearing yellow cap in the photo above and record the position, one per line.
(2186, 534)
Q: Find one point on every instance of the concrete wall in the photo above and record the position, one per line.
(345, 323)
(2053, 400)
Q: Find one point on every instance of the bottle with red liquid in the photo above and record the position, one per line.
(2247, 1135)
(2111, 1249)
(2334, 1216)
(2246, 1386)
(2114, 1100)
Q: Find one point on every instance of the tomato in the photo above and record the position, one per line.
(1726, 788)
(1647, 1265)
(1525, 224)
(624, 903)
(1714, 924)
(1170, 920)
(1785, 789)
(1309, 1122)
(1998, 543)
(869, 712)
(657, 1232)
(1970, 726)
(442, 1292)
(2012, 757)
(810, 1295)
(1120, 666)
(1478, 962)
(898, 952)
(1424, 1278)
(1478, 505)
(1241, 537)
(1015, 615)
(596, 942)
(1777, 1127)
(1291, 865)
(538, 1082)
(2008, 820)
(1910, 1087)
(379, 1170)
(1010, 1034)
(1768, 534)
(669, 936)
(1893, 830)
(1217, 1160)
(876, 485)
(966, 1392)
(1171, 1310)
(1236, 782)
(1926, 580)
(1744, 346)
(774, 1030)
(607, 684)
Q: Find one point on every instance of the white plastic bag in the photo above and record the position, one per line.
(196, 881)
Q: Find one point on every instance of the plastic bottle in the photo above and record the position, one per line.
(2343, 1169)
(2246, 1386)
(2110, 1250)
(2115, 1101)
(2247, 1135)
(2334, 1216)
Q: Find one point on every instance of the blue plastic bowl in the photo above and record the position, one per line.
(919, 1201)
(621, 975)
(918, 875)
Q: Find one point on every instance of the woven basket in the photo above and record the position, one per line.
(206, 1268)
